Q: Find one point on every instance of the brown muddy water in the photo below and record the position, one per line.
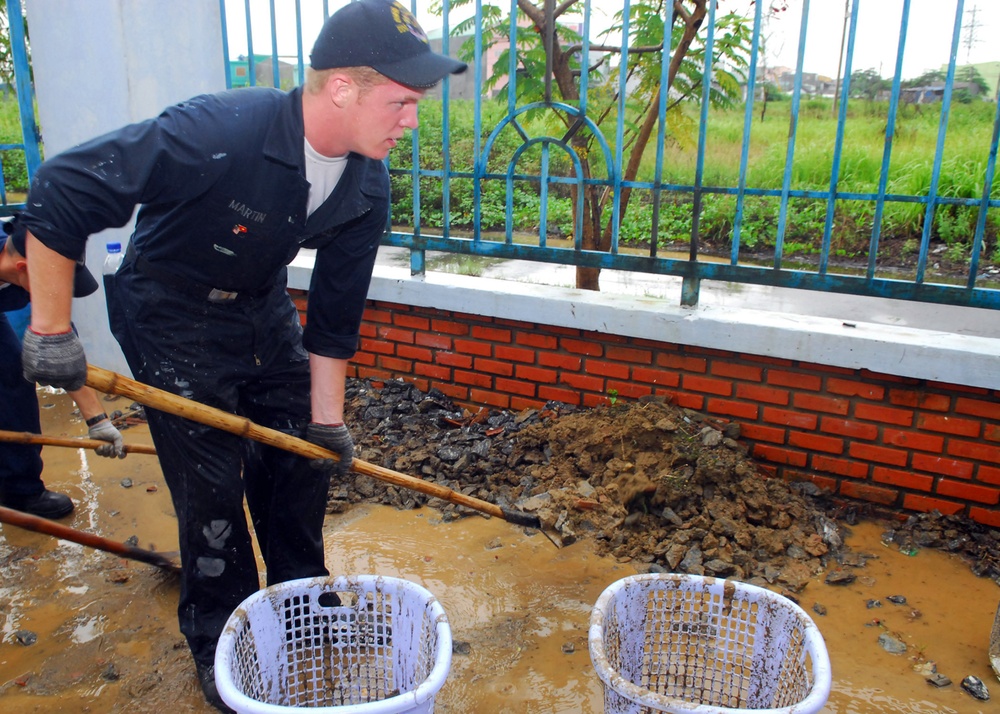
(107, 637)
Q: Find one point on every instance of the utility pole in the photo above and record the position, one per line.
(970, 29)
(840, 62)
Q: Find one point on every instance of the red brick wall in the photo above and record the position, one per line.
(896, 442)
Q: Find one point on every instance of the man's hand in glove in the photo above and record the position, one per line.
(54, 360)
(337, 439)
(104, 430)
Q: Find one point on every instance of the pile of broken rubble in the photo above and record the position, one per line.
(664, 487)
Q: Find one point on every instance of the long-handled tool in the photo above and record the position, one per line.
(995, 644)
(44, 525)
(26, 437)
(113, 383)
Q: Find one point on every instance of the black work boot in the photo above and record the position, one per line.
(47, 504)
(206, 676)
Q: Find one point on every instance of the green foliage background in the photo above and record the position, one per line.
(15, 171)
(910, 172)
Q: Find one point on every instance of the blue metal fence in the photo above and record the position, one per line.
(30, 144)
(436, 174)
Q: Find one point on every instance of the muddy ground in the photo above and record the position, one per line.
(666, 488)
(639, 486)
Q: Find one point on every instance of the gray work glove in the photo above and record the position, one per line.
(337, 439)
(104, 430)
(54, 360)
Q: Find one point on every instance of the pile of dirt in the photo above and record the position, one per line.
(651, 483)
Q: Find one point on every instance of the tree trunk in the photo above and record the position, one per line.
(594, 238)
(692, 22)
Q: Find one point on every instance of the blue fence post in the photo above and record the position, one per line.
(991, 164)
(890, 131)
(786, 179)
(661, 133)
(751, 91)
(838, 146)
(692, 285)
(932, 193)
(225, 45)
(25, 93)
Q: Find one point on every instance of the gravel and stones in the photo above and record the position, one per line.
(664, 487)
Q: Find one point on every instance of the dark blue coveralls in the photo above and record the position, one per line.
(200, 309)
(20, 464)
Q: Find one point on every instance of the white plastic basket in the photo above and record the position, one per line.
(363, 644)
(685, 643)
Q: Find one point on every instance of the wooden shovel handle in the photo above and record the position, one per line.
(25, 437)
(44, 525)
(113, 383)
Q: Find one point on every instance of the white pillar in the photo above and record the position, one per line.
(101, 64)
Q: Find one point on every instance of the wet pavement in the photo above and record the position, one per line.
(718, 295)
(107, 637)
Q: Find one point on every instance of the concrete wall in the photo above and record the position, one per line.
(101, 64)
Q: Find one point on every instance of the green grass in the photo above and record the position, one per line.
(963, 168)
(968, 137)
(15, 171)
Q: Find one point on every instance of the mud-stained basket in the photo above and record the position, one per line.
(685, 643)
(362, 644)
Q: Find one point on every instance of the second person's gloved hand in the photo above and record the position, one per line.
(337, 439)
(54, 360)
(104, 430)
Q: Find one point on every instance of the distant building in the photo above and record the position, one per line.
(767, 76)
(989, 71)
(813, 85)
(463, 86)
(773, 74)
(263, 70)
(934, 92)
(922, 95)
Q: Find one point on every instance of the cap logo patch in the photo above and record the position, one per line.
(406, 22)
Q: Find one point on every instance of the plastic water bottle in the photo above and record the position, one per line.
(114, 258)
(112, 262)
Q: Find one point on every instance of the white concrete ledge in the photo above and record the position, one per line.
(905, 351)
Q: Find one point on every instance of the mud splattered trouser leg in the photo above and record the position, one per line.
(20, 464)
(245, 358)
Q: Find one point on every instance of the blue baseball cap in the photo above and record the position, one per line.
(385, 36)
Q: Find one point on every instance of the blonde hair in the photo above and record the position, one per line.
(364, 77)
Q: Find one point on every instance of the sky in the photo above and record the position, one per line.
(928, 39)
(928, 42)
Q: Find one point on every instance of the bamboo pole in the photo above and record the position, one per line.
(113, 383)
(26, 437)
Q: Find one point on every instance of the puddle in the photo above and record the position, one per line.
(90, 629)
(108, 638)
(518, 602)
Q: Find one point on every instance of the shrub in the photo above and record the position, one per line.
(910, 173)
(15, 168)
